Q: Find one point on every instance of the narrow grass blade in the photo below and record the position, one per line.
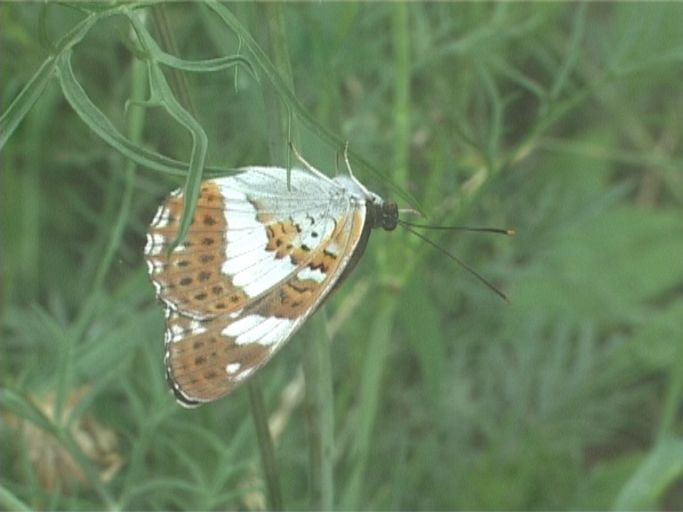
(10, 502)
(662, 467)
(25, 100)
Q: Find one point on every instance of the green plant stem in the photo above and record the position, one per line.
(380, 333)
(370, 390)
(402, 131)
(317, 366)
(278, 116)
(162, 93)
(179, 82)
(672, 401)
(265, 442)
(136, 124)
(277, 144)
(401, 47)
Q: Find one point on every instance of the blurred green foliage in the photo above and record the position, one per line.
(563, 121)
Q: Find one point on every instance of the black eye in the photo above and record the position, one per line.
(314, 234)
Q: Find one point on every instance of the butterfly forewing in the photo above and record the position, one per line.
(257, 261)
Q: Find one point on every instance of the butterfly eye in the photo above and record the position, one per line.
(389, 216)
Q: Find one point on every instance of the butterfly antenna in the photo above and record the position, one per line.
(499, 231)
(406, 225)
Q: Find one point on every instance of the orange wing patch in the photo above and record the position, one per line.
(281, 238)
(296, 296)
(190, 278)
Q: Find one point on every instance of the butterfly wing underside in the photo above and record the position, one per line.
(259, 258)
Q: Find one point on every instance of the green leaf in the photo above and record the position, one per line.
(205, 66)
(11, 502)
(603, 482)
(100, 124)
(25, 100)
(161, 91)
(662, 467)
(23, 408)
(644, 38)
(30, 93)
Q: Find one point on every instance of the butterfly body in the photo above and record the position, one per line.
(260, 257)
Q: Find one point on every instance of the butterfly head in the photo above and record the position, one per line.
(389, 216)
(382, 214)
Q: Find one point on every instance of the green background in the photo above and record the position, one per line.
(562, 121)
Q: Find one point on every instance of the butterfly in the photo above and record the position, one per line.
(262, 254)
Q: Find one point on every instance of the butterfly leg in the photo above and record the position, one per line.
(308, 166)
(346, 160)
